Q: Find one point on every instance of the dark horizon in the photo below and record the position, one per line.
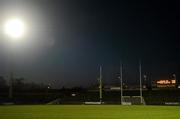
(67, 40)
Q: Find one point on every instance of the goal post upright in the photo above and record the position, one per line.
(140, 80)
(121, 83)
(100, 84)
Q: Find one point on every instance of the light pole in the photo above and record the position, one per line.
(14, 29)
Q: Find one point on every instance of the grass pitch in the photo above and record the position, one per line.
(89, 112)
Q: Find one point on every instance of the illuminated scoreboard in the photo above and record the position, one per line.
(166, 83)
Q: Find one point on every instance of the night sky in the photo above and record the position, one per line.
(67, 40)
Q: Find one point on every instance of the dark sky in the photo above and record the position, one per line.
(67, 40)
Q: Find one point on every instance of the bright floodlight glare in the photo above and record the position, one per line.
(14, 28)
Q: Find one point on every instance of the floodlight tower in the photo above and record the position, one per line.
(14, 28)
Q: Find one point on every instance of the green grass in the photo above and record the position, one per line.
(89, 112)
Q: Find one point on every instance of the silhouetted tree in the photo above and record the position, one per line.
(3, 83)
(18, 83)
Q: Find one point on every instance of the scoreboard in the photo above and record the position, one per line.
(166, 83)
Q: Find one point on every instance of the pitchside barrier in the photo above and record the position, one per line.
(172, 103)
(93, 103)
(55, 102)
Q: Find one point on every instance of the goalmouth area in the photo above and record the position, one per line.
(88, 112)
